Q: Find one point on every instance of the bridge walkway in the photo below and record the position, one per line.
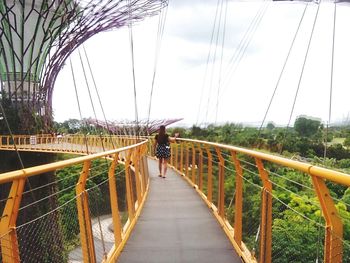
(176, 226)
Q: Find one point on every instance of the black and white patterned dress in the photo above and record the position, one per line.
(163, 147)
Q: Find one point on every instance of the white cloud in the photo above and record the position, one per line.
(180, 76)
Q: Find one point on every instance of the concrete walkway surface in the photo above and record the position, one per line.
(176, 226)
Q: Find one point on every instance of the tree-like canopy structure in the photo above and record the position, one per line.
(125, 127)
(37, 36)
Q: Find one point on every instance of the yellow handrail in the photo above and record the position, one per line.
(188, 158)
(333, 246)
(10, 249)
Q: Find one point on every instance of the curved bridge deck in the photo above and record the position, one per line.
(176, 226)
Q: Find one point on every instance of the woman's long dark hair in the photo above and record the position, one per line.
(161, 134)
(162, 130)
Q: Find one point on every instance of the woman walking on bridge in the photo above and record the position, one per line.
(162, 150)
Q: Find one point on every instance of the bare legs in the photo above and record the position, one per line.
(163, 167)
(160, 160)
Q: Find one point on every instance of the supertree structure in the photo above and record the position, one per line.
(37, 36)
(127, 127)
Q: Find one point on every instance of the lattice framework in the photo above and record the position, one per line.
(37, 36)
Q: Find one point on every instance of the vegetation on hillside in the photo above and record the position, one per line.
(298, 224)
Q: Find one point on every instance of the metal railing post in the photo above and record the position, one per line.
(200, 168)
(193, 169)
(87, 239)
(210, 176)
(8, 234)
(144, 168)
(129, 190)
(266, 215)
(187, 159)
(172, 156)
(135, 161)
(333, 245)
(181, 158)
(176, 156)
(117, 226)
(238, 200)
(221, 191)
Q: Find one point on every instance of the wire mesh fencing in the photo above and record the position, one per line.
(297, 236)
(50, 237)
(6, 252)
(101, 219)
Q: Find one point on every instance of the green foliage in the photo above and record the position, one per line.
(11, 115)
(344, 163)
(184, 133)
(98, 196)
(270, 126)
(70, 126)
(21, 118)
(338, 151)
(306, 127)
(295, 239)
(347, 141)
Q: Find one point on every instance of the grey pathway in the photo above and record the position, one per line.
(176, 226)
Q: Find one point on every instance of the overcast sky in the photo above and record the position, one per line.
(187, 87)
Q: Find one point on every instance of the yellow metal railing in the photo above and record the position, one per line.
(206, 166)
(83, 214)
(77, 144)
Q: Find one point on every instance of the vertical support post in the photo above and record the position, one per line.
(333, 245)
(266, 214)
(87, 240)
(172, 156)
(210, 176)
(142, 152)
(181, 158)
(135, 161)
(176, 156)
(193, 169)
(129, 190)
(200, 168)
(221, 192)
(150, 145)
(8, 240)
(238, 200)
(187, 159)
(145, 168)
(117, 226)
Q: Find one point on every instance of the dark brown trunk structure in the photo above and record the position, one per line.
(34, 241)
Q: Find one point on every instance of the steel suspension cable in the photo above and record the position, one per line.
(244, 44)
(93, 108)
(11, 135)
(78, 103)
(98, 94)
(331, 81)
(161, 25)
(90, 96)
(131, 38)
(282, 71)
(301, 74)
(221, 59)
(214, 61)
(208, 59)
(14, 143)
